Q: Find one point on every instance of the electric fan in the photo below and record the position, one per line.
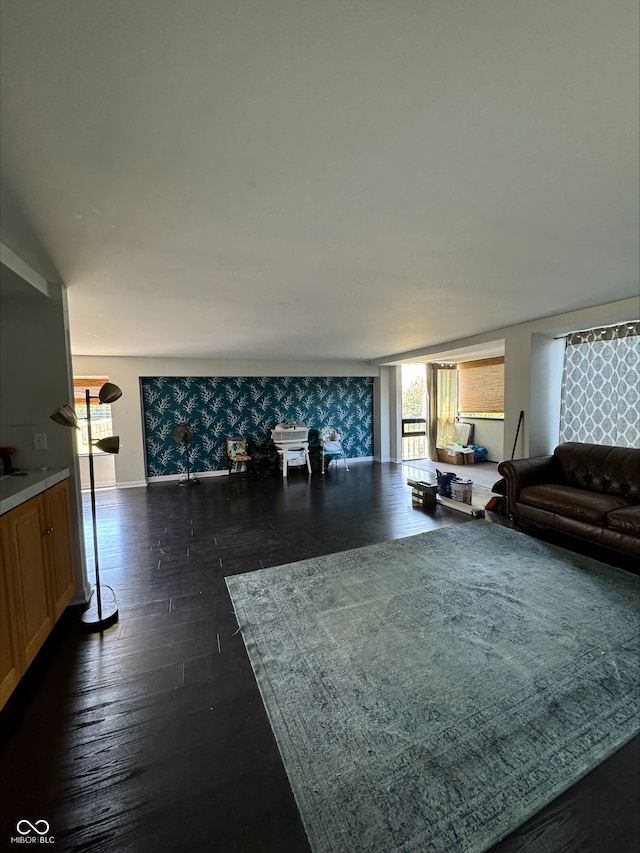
(183, 434)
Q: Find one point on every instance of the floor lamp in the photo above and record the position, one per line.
(103, 609)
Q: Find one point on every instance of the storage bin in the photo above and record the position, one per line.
(462, 491)
(281, 434)
(294, 458)
(444, 483)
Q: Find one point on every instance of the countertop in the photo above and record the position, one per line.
(16, 489)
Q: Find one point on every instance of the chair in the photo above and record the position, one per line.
(238, 458)
(331, 444)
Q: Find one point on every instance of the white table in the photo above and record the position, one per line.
(283, 448)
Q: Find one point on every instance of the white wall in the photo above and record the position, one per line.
(533, 370)
(127, 412)
(33, 380)
(381, 415)
(547, 361)
(35, 371)
(489, 434)
(104, 471)
(395, 426)
(533, 373)
(532, 377)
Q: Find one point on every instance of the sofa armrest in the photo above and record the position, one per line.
(520, 473)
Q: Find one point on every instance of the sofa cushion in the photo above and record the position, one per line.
(591, 507)
(626, 520)
(600, 468)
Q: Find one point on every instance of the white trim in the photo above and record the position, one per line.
(196, 475)
(104, 486)
(202, 475)
(132, 484)
(23, 270)
(81, 597)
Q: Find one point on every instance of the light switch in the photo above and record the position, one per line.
(39, 441)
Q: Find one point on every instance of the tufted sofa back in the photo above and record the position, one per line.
(598, 468)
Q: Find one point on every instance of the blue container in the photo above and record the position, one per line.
(480, 453)
(444, 483)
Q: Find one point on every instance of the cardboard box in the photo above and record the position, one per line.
(452, 458)
(457, 457)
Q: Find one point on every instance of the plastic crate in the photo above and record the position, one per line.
(281, 434)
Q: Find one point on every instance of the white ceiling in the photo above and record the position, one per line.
(319, 179)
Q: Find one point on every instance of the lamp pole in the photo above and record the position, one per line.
(65, 415)
(93, 506)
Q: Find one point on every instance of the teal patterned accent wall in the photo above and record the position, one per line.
(218, 406)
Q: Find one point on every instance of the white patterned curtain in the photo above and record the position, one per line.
(601, 386)
(442, 385)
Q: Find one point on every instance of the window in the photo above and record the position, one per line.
(100, 415)
(414, 423)
(481, 388)
(600, 383)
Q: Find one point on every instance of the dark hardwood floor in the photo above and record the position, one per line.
(153, 737)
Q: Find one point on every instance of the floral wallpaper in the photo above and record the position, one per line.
(218, 406)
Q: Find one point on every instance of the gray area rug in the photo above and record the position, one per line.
(433, 692)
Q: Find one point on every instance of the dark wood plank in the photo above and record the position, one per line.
(154, 736)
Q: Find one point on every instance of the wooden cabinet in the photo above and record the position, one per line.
(37, 578)
(28, 575)
(58, 541)
(11, 665)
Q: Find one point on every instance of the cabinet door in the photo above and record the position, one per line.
(26, 528)
(58, 540)
(11, 664)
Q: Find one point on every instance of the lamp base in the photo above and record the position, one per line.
(91, 619)
(188, 481)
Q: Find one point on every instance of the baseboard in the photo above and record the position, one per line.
(105, 485)
(195, 475)
(201, 475)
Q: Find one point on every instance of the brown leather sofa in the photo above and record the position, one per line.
(589, 491)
